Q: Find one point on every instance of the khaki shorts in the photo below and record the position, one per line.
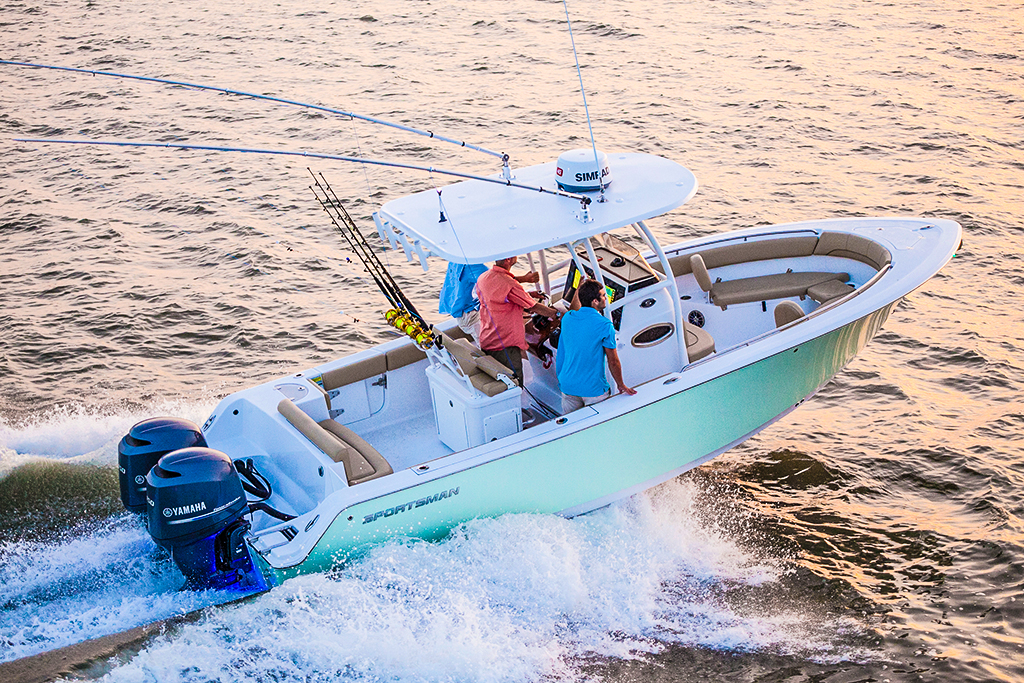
(571, 403)
(469, 322)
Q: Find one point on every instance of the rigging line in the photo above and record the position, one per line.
(369, 255)
(369, 191)
(269, 98)
(586, 109)
(585, 201)
(373, 275)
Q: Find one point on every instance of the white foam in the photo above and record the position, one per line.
(114, 579)
(517, 598)
(83, 434)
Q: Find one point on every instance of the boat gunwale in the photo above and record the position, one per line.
(699, 373)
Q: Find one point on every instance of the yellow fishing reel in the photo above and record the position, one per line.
(409, 326)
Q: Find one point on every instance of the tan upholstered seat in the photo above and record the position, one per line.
(700, 272)
(366, 368)
(826, 291)
(768, 287)
(481, 369)
(847, 245)
(362, 462)
(786, 312)
(401, 356)
(744, 252)
(698, 342)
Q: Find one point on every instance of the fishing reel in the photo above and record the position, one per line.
(410, 326)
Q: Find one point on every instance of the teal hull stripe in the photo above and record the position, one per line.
(645, 445)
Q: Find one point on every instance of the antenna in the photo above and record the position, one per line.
(586, 109)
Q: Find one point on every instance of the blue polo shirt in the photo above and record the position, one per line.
(457, 291)
(579, 362)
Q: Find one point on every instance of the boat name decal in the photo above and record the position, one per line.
(187, 510)
(405, 507)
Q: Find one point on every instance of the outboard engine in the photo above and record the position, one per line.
(196, 503)
(142, 446)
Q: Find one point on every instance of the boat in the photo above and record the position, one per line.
(721, 336)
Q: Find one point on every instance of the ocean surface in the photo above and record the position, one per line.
(874, 534)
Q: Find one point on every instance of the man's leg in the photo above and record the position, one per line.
(511, 358)
(469, 323)
(571, 403)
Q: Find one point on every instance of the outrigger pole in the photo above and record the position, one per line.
(582, 199)
(403, 315)
(164, 81)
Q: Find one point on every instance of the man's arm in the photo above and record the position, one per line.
(543, 310)
(616, 368)
(531, 278)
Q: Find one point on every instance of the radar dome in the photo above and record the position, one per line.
(576, 171)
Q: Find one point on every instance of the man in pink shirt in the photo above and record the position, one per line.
(502, 302)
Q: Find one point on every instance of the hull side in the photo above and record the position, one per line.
(613, 459)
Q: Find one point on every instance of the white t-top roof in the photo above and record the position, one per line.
(486, 221)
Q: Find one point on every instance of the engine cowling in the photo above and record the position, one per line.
(196, 505)
(192, 493)
(143, 446)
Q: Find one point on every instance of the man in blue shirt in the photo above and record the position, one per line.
(587, 339)
(457, 296)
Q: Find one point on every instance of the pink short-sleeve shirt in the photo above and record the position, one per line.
(502, 302)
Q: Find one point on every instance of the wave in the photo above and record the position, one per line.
(517, 598)
(59, 593)
(82, 434)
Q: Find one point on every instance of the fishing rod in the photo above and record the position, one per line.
(506, 171)
(403, 315)
(582, 199)
(358, 243)
(326, 203)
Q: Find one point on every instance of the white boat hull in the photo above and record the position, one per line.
(598, 462)
(590, 457)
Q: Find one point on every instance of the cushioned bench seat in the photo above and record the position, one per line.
(362, 462)
(767, 287)
(826, 291)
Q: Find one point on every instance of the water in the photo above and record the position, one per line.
(873, 534)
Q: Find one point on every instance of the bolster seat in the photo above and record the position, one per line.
(481, 369)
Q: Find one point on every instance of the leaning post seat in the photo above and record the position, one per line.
(474, 396)
(362, 462)
(482, 370)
